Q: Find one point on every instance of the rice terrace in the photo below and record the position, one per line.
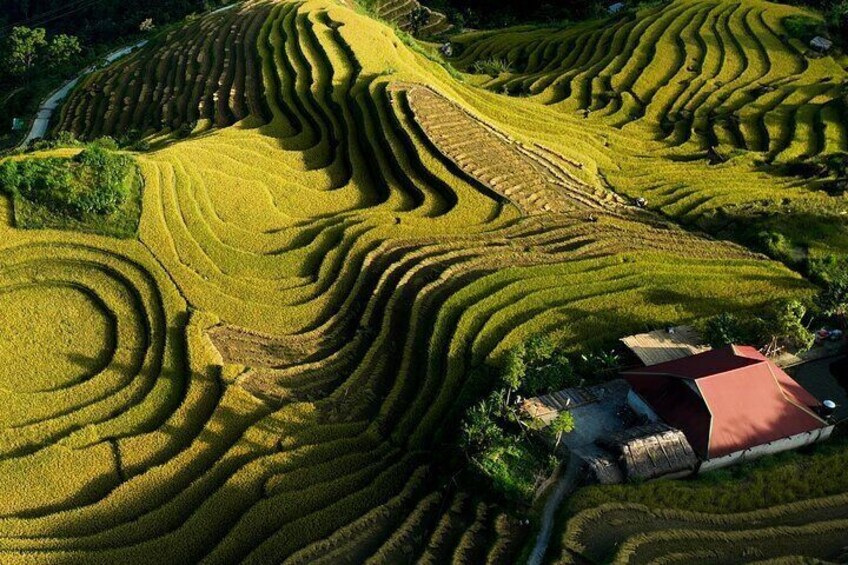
(423, 281)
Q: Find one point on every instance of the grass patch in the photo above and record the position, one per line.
(93, 191)
(515, 468)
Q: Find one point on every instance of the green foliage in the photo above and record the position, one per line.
(96, 181)
(837, 18)
(803, 27)
(514, 368)
(599, 362)
(833, 299)
(536, 367)
(776, 245)
(480, 430)
(515, 469)
(62, 51)
(562, 424)
(781, 325)
(22, 48)
(25, 48)
(728, 329)
(785, 326)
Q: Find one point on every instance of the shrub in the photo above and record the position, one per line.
(186, 129)
(726, 329)
(804, 28)
(96, 181)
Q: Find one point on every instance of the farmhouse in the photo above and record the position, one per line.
(732, 404)
(691, 409)
(616, 8)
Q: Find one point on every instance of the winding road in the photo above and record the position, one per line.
(42, 120)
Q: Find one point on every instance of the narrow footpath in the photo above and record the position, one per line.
(564, 487)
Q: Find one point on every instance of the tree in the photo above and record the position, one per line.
(722, 330)
(833, 300)
(562, 424)
(539, 349)
(479, 430)
(62, 50)
(551, 373)
(513, 370)
(785, 327)
(838, 17)
(418, 18)
(22, 49)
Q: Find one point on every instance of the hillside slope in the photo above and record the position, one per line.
(274, 365)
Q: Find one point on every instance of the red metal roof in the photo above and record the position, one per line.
(727, 400)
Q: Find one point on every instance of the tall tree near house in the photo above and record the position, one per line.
(513, 371)
(22, 49)
(833, 300)
(785, 326)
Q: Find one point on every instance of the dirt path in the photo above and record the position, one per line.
(45, 112)
(566, 484)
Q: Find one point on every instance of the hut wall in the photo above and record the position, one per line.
(792, 442)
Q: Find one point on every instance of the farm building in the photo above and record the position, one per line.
(698, 409)
(616, 8)
(732, 404)
(616, 434)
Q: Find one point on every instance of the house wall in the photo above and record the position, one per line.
(785, 444)
(638, 405)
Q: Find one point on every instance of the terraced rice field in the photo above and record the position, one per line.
(399, 12)
(705, 73)
(621, 533)
(270, 371)
(693, 103)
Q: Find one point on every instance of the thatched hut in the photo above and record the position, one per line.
(652, 451)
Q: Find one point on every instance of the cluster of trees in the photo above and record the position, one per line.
(26, 50)
(786, 324)
(835, 13)
(536, 367)
(832, 274)
(97, 21)
(492, 436)
(779, 327)
(96, 181)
